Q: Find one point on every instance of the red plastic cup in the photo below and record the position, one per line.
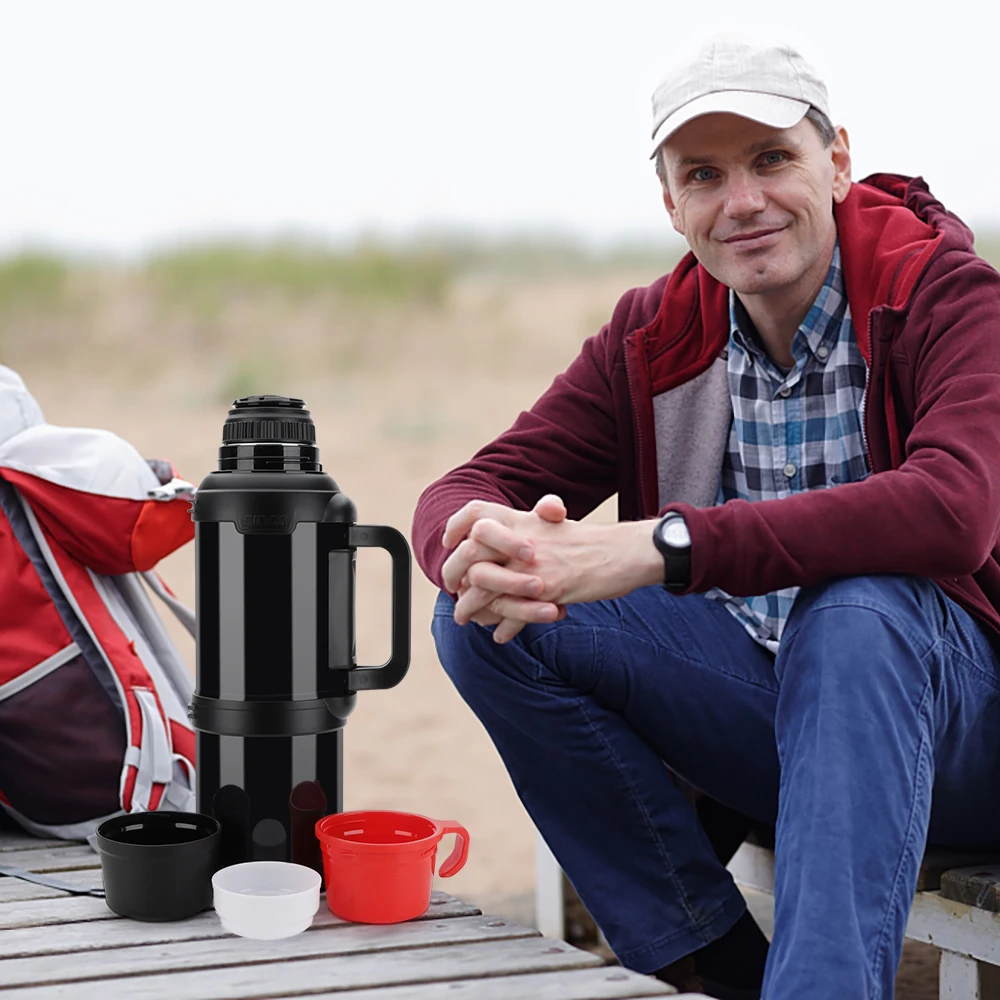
(378, 866)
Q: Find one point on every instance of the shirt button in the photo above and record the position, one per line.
(785, 391)
(789, 470)
(822, 352)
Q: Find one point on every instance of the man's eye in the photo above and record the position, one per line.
(702, 174)
(773, 158)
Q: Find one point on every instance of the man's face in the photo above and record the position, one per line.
(755, 203)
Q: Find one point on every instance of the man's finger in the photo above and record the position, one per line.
(525, 610)
(551, 508)
(502, 538)
(507, 629)
(460, 523)
(474, 604)
(502, 580)
(458, 564)
(486, 618)
(503, 605)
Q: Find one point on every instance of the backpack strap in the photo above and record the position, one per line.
(181, 611)
(47, 880)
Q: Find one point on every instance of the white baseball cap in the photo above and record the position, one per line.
(771, 84)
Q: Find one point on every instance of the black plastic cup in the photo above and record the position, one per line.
(159, 865)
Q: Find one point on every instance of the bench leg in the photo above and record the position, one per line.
(963, 978)
(550, 915)
(958, 977)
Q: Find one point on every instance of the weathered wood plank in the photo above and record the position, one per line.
(977, 886)
(90, 925)
(54, 859)
(753, 866)
(938, 860)
(15, 840)
(15, 890)
(440, 964)
(609, 983)
(953, 926)
(35, 913)
(222, 951)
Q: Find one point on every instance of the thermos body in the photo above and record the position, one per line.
(277, 676)
(276, 620)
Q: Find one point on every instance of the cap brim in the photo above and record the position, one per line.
(768, 109)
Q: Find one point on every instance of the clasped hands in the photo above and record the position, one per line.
(512, 567)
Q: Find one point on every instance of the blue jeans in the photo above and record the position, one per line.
(875, 730)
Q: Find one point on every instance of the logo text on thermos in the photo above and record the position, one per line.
(264, 521)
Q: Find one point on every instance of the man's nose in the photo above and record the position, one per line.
(744, 197)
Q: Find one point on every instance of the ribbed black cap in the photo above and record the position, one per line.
(268, 419)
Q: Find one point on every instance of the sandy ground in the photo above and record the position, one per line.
(384, 435)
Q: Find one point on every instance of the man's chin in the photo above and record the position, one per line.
(754, 280)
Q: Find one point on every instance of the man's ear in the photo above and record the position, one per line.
(840, 153)
(668, 204)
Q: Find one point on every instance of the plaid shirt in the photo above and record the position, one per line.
(792, 431)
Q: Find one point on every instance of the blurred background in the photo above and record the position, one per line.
(409, 214)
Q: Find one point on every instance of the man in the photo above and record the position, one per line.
(799, 612)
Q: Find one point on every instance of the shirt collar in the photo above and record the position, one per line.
(820, 328)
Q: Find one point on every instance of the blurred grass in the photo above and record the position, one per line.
(33, 280)
(207, 276)
(230, 318)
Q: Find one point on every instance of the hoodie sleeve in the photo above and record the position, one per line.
(565, 444)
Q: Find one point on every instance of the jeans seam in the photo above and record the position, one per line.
(634, 954)
(904, 629)
(880, 944)
(664, 856)
(700, 664)
(972, 665)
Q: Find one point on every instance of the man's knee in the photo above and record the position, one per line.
(863, 626)
(554, 652)
(452, 640)
(467, 651)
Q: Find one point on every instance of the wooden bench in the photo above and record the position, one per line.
(956, 908)
(54, 945)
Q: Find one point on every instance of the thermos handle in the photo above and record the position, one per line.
(381, 536)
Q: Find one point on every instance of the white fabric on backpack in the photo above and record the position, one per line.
(18, 408)
(80, 458)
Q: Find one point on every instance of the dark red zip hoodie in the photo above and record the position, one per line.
(926, 311)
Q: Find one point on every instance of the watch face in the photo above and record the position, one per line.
(675, 533)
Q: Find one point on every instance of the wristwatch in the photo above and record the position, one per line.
(670, 536)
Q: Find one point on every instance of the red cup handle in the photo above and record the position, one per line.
(457, 858)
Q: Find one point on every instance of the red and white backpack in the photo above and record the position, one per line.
(93, 691)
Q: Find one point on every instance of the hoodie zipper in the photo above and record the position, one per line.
(865, 397)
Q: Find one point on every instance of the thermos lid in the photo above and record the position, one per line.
(269, 420)
(269, 476)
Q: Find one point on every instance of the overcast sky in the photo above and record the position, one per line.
(131, 124)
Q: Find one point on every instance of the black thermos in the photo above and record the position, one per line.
(275, 551)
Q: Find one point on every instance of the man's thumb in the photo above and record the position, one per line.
(551, 508)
